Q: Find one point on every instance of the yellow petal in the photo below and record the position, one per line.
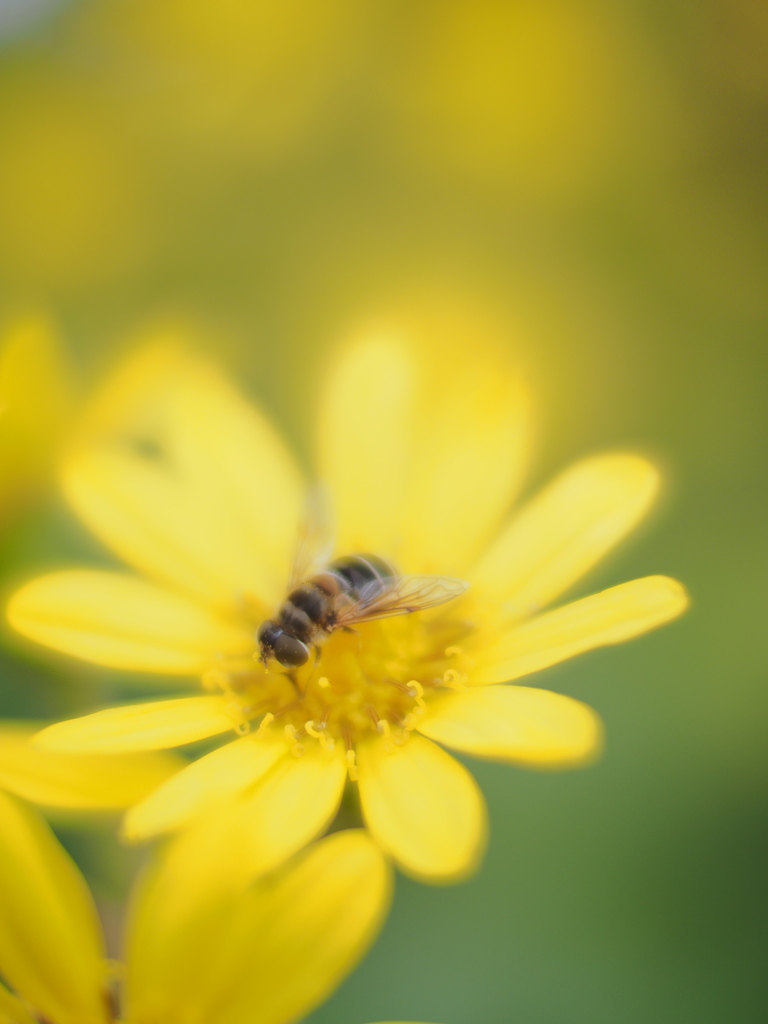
(12, 1010)
(51, 950)
(84, 781)
(35, 405)
(610, 617)
(188, 483)
(188, 793)
(123, 622)
(364, 429)
(250, 832)
(517, 724)
(563, 532)
(269, 953)
(155, 726)
(423, 807)
(292, 804)
(423, 447)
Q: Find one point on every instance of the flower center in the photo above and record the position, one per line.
(377, 679)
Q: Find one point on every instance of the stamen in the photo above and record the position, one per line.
(378, 683)
(386, 735)
(327, 742)
(240, 723)
(399, 686)
(266, 721)
(374, 715)
(292, 735)
(416, 690)
(454, 680)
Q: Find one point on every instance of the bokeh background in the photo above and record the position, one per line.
(585, 179)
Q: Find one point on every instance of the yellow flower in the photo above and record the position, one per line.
(422, 451)
(35, 410)
(77, 782)
(266, 952)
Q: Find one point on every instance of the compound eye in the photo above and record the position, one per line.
(289, 651)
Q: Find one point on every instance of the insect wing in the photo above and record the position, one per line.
(314, 544)
(399, 596)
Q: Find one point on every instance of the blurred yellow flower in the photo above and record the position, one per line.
(266, 952)
(73, 199)
(235, 80)
(422, 450)
(36, 405)
(542, 97)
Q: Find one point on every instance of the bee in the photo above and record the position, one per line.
(345, 592)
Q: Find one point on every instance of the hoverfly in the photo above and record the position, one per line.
(343, 593)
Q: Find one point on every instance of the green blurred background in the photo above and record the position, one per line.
(587, 179)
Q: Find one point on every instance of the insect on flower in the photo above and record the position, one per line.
(353, 687)
(346, 592)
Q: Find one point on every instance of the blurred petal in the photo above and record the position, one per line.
(199, 786)
(122, 622)
(35, 404)
(564, 531)
(86, 781)
(423, 448)
(12, 1010)
(610, 617)
(518, 724)
(187, 482)
(292, 804)
(268, 953)
(51, 950)
(155, 726)
(364, 429)
(423, 807)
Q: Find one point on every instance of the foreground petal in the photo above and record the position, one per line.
(423, 447)
(292, 804)
(564, 531)
(51, 950)
(423, 807)
(517, 724)
(199, 786)
(84, 781)
(610, 617)
(269, 952)
(122, 622)
(12, 1010)
(155, 726)
(185, 480)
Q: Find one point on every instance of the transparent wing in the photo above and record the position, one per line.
(399, 596)
(314, 544)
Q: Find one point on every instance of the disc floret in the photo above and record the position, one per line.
(375, 680)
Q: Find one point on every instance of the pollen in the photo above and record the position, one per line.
(379, 679)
